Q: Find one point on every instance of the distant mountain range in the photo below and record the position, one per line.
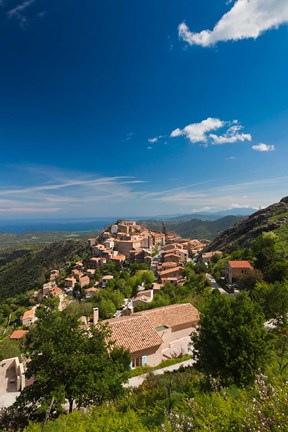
(194, 228)
(243, 211)
(98, 223)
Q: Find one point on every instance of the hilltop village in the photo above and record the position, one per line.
(121, 246)
(160, 259)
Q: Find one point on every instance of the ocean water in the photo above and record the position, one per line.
(18, 226)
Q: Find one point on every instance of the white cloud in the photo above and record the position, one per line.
(263, 147)
(199, 132)
(155, 139)
(232, 135)
(246, 19)
(149, 148)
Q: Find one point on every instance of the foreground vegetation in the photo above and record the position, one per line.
(185, 401)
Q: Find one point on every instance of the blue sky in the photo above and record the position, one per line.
(142, 108)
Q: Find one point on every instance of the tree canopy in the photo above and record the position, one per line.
(232, 344)
(70, 363)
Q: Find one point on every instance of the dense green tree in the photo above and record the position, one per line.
(69, 363)
(278, 272)
(106, 308)
(232, 343)
(248, 281)
(274, 300)
(267, 251)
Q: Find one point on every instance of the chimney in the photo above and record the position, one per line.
(95, 315)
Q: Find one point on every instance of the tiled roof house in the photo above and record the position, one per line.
(235, 269)
(157, 334)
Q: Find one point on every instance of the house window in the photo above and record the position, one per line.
(139, 361)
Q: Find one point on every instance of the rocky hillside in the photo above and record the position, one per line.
(273, 218)
(195, 228)
(26, 272)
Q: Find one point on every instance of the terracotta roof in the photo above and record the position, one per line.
(157, 286)
(138, 332)
(91, 290)
(55, 291)
(118, 258)
(240, 264)
(168, 264)
(134, 333)
(171, 270)
(170, 255)
(154, 234)
(29, 314)
(18, 334)
(172, 316)
(211, 254)
(148, 294)
(168, 279)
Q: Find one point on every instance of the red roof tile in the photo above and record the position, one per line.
(134, 333)
(240, 264)
(18, 334)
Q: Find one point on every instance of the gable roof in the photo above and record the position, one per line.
(134, 333)
(144, 295)
(166, 255)
(171, 270)
(29, 314)
(240, 264)
(56, 291)
(18, 334)
(172, 316)
(138, 331)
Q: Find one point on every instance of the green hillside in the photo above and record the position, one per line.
(271, 219)
(27, 272)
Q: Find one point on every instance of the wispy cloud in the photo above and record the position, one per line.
(19, 12)
(199, 132)
(129, 136)
(154, 140)
(248, 194)
(263, 147)
(87, 195)
(246, 19)
(69, 192)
